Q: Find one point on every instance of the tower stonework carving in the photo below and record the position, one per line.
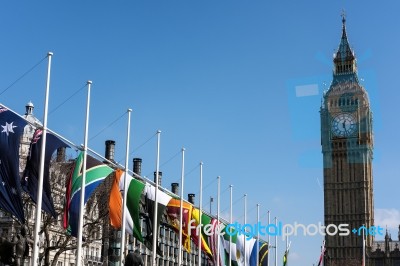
(347, 148)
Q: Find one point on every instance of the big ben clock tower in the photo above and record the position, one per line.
(347, 148)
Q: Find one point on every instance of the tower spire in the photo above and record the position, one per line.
(343, 15)
(345, 61)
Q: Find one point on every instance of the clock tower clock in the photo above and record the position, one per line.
(347, 148)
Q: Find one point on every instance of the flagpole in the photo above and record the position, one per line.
(41, 169)
(363, 258)
(218, 203)
(245, 221)
(154, 254)
(123, 234)
(211, 201)
(276, 243)
(230, 222)
(181, 209)
(82, 199)
(269, 237)
(200, 211)
(258, 234)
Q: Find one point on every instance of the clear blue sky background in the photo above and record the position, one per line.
(218, 78)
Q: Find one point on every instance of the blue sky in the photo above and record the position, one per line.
(218, 78)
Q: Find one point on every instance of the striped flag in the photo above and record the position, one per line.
(139, 196)
(96, 172)
(132, 208)
(263, 254)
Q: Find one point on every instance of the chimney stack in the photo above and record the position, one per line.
(191, 197)
(159, 177)
(137, 166)
(110, 150)
(175, 188)
(60, 155)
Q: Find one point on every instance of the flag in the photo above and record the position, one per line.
(223, 255)
(96, 172)
(163, 200)
(173, 211)
(230, 247)
(244, 253)
(214, 237)
(68, 189)
(205, 221)
(31, 174)
(195, 236)
(285, 257)
(132, 207)
(262, 254)
(12, 127)
(321, 257)
(139, 202)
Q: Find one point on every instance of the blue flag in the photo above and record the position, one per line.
(11, 129)
(31, 173)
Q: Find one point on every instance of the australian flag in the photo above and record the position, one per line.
(31, 174)
(11, 129)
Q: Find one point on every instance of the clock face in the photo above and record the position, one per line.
(343, 125)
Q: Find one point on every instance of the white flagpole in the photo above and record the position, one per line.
(258, 234)
(276, 243)
(200, 211)
(218, 203)
(245, 221)
(363, 258)
(181, 208)
(230, 221)
(123, 234)
(155, 236)
(82, 199)
(269, 237)
(41, 170)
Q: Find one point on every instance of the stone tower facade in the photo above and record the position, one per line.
(347, 148)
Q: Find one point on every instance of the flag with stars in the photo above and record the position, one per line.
(12, 127)
(31, 174)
